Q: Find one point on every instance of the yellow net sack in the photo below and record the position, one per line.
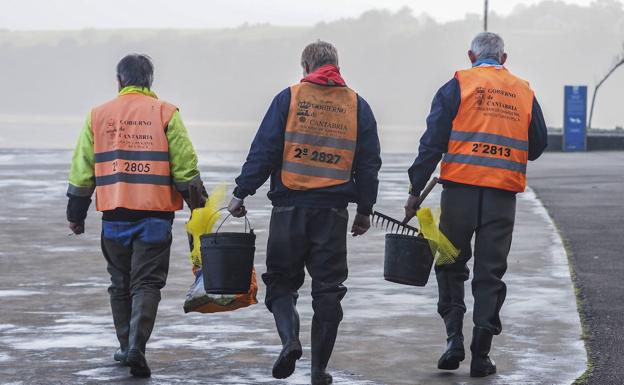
(203, 220)
(197, 300)
(442, 249)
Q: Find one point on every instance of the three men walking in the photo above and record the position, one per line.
(318, 143)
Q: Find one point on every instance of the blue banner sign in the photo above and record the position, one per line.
(575, 118)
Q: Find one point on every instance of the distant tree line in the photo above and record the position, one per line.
(396, 60)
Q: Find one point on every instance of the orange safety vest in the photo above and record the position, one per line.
(132, 155)
(489, 141)
(320, 136)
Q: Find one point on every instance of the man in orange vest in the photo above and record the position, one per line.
(319, 144)
(135, 153)
(485, 124)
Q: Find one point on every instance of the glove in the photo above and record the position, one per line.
(361, 224)
(411, 206)
(76, 228)
(197, 195)
(237, 207)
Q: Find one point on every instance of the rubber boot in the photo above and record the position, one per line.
(144, 308)
(287, 323)
(454, 352)
(481, 364)
(122, 309)
(323, 340)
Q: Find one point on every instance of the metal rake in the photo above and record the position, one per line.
(401, 226)
(379, 220)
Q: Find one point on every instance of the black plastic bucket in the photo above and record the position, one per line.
(408, 260)
(228, 260)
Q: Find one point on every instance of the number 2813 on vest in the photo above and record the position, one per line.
(491, 149)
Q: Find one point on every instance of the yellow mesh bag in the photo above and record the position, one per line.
(203, 220)
(443, 250)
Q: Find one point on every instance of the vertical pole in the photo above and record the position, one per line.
(591, 110)
(485, 16)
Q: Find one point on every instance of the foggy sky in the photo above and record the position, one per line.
(223, 80)
(77, 14)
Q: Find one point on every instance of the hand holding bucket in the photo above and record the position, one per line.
(408, 259)
(228, 259)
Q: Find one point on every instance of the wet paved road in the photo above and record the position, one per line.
(55, 326)
(585, 195)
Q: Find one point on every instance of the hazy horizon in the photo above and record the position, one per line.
(224, 78)
(183, 14)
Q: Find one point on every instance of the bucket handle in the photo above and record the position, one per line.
(247, 223)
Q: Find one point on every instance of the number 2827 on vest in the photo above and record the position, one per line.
(317, 156)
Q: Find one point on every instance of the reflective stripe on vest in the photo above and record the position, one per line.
(321, 172)
(486, 161)
(132, 155)
(488, 145)
(320, 137)
(133, 178)
(132, 167)
(494, 139)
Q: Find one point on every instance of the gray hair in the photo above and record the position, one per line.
(136, 70)
(488, 45)
(318, 54)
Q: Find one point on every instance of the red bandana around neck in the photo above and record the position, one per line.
(327, 75)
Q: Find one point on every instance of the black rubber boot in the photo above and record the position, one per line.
(481, 364)
(144, 309)
(121, 356)
(323, 340)
(287, 323)
(122, 308)
(454, 353)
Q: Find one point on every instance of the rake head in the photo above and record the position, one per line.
(392, 225)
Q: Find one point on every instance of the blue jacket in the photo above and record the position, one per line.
(265, 159)
(434, 142)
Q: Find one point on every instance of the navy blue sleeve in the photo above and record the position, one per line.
(266, 149)
(367, 159)
(538, 133)
(77, 207)
(434, 142)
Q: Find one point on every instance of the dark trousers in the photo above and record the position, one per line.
(489, 215)
(138, 272)
(137, 269)
(314, 239)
